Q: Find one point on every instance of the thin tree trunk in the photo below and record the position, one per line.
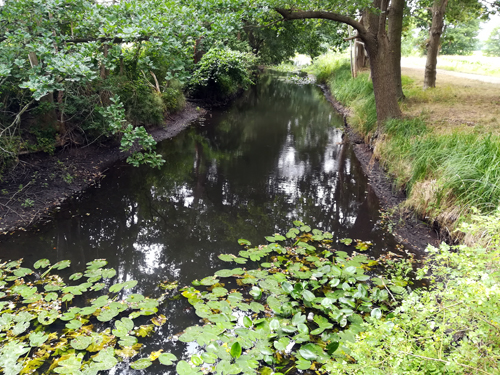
(394, 31)
(438, 10)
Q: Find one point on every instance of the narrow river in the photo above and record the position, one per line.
(275, 155)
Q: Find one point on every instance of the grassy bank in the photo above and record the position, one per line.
(445, 165)
(450, 171)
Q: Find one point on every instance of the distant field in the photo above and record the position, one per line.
(477, 64)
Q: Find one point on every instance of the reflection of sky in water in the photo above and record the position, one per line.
(248, 172)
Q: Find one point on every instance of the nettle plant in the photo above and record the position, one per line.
(39, 332)
(298, 310)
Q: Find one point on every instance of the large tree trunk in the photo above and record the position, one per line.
(438, 10)
(383, 62)
(383, 59)
(394, 31)
(385, 86)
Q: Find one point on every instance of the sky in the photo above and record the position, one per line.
(487, 27)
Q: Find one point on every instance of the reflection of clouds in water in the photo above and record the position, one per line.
(131, 216)
(152, 256)
(332, 150)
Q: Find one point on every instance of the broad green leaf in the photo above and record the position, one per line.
(71, 365)
(141, 364)
(236, 350)
(41, 263)
(38, 338)
(167, 359)
(62, 264)
(81, 342)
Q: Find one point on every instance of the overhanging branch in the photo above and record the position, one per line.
(288, 14)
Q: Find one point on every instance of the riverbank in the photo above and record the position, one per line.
(442, 154)
(41, 182)
(443, 157)
(406, 227)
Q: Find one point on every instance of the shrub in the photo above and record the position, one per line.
(221, 73)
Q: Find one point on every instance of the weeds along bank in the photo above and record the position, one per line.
(445, 170)
(452, 326)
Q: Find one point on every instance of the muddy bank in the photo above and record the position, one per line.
(41, 182)
(405, 225)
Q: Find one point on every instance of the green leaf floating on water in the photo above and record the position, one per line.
(141, 364)
(184, 368)
(62, 264)
(236, 350)
(38, 338)
(48, 317)
(41, 263)
(81, 342)
(105, 359)
(167, 359)
(70, 365)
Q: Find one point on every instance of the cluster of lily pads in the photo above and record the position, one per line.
(40, 333)
(290, 307)
(294, 310)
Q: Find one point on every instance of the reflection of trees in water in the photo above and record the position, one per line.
(250, 171)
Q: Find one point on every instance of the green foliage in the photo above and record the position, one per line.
(131, 136)
(39, 331)
(492, 45)
(460, 39)
(452, 326)
(222, 72)
(316, 299)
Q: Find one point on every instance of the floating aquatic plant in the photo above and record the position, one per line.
(294, 311)
(41, 331)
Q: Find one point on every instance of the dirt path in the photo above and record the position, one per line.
(452, 73)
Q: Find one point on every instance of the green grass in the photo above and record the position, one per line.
(465, 166)
(334, 71)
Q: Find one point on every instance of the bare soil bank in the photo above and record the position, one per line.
(406, 227)
(41, 182)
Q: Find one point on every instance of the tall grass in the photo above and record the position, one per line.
(464, 166)
(334, 71)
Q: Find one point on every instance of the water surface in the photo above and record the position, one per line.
(276, 155)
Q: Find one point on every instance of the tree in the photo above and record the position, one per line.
(460, 39)
(440, 12)
(381, 35)
(67, 60)
(492, 45)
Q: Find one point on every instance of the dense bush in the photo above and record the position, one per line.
(221, 73)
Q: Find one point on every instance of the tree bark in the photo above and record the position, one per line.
(377, 45)
(438, 10)
(394, 31)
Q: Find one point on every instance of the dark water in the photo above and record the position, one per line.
(276, 155)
